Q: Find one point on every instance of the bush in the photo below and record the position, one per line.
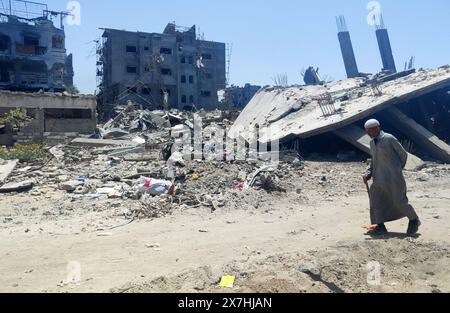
(15, 118)
(25, 153)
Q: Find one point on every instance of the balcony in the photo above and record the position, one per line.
(30, 49)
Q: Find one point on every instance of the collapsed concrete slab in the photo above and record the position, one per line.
(419, 134)
(287, 114)
(358, 138)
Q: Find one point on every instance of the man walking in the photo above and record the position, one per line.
(388, 198)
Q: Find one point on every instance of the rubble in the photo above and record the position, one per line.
(340, 107)
(86, 142)
(6, 168)
(130, 159)
(71, 186)
(16, 187)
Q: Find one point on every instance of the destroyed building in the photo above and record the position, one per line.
(53, 117)
(33, 54)
(173, 69)
(238, 97)
(413, 105)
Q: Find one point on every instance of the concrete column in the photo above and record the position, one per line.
(387, 56)
(348, 54)
(419, 134)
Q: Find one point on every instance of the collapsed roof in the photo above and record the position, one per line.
(305, 111)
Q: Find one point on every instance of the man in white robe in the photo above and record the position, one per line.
(388, 193)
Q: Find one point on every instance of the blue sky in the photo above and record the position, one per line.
(272, 37)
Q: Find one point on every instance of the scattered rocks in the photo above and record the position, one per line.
(70, 186)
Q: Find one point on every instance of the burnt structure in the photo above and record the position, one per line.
(33, 55)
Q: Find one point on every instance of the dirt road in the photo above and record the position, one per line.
(308, 240)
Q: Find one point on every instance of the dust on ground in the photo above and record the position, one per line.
(298, 229)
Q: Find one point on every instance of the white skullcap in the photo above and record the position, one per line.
(372, 124)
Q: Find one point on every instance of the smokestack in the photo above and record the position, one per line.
(384, 44)
(347, 48)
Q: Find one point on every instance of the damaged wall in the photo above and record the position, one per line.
(52, 113)
(33, 56)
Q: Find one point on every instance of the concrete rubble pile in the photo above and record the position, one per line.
(413, 105)
(129, 160)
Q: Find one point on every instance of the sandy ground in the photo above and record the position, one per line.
(309, 239)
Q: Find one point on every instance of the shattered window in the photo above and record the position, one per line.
(206, 56)
(5, 42)
(132, 69)
(145, 91)
(183, 79)
(166, 71)
(183, 99)
(166, 51)
(207, 76)
(31, 40)
(58, 42)
(131, 49)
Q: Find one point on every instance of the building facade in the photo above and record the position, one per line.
(51, 114)
(172, 69)
(33, 55)
(239, 97)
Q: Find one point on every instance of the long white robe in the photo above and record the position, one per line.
(388, 193)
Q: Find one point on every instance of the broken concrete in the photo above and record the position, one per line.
(288, 113)
(419, 134)
(115, 133)
(85, 142)
(17, 187)
(70, 186)
(6, 168)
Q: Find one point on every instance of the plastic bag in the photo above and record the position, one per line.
(154, 187)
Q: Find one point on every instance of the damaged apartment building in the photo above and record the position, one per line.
(237, 97)
(33, 55)
(35, 73)
(174, 69)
